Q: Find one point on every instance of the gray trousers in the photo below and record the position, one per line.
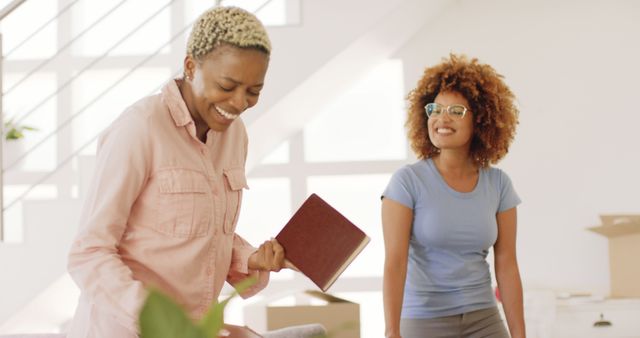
(475, 324)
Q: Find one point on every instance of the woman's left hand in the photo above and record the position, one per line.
(268, 257)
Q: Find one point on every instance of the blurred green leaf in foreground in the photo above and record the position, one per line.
(161, 317)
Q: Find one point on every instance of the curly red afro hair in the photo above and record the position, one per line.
(491, 103)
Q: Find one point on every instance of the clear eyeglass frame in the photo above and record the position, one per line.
(455, 111)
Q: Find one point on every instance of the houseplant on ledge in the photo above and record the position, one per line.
(14, 140)
(14, 131)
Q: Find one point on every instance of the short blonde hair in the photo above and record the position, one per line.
(230, 25)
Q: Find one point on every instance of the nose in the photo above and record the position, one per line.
(239, 101)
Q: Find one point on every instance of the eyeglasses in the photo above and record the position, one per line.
(455, 111)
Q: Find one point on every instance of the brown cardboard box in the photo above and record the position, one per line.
(623, 232)
(340, 317)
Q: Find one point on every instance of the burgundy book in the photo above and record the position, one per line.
(321, 242)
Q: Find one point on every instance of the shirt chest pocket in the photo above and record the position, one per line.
(234, 180)
(184, 205)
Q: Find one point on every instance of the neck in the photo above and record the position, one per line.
(201, 127)
(455, 162)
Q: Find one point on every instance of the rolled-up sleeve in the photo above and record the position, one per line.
(239, 269)
(94, 263)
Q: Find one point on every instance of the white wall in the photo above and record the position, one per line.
(327, 27)
(574, 68)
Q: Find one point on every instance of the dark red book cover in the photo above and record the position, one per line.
(320, 241)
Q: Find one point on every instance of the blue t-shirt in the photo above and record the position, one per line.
(447, 271)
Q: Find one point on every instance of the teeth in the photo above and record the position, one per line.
(444, 130)
(226, 115)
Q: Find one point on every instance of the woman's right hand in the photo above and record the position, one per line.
(268, 257)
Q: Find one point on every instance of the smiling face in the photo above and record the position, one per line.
(446, 132)
(223, 85)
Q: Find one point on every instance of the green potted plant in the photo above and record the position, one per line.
(14, 131)
(14, 146)
(161, 317)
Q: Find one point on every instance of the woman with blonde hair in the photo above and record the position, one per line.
(166, 195)
(442, 214)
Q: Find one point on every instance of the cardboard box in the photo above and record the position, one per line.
(623, 232)
(340, 317)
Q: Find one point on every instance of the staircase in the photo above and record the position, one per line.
(312, 63)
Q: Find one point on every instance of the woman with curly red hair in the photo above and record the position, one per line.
(442, 214)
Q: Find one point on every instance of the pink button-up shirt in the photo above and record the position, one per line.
(161, 213)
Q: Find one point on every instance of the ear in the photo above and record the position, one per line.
(189, 67)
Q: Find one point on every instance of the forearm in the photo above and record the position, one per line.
(396, 227)
(510, 287)
(107, 282)
(240, 268)
(393, 292)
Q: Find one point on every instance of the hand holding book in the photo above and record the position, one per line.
(268, 257)
(289, 265)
